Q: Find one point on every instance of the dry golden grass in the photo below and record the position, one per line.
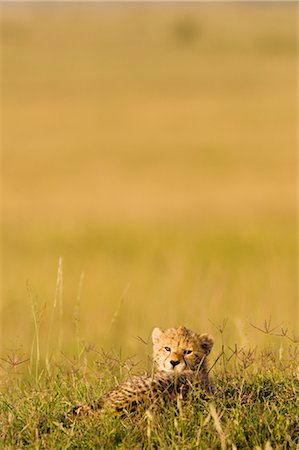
(152, 147)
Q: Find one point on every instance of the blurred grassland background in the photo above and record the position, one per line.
(153, 148)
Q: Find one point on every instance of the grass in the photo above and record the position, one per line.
(255, 405)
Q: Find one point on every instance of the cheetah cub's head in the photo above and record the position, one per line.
(179, 349)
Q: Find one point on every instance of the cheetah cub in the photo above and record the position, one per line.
(180, 360)
(180, 363)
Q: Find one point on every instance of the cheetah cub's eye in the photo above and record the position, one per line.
(187, 352)
(168, 349)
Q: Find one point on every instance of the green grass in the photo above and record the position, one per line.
(255, 405)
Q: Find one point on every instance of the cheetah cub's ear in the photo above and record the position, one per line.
(206, 342)
(156, 334)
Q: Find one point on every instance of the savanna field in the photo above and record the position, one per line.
(148, 179)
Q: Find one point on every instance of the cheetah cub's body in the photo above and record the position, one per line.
(180, 363)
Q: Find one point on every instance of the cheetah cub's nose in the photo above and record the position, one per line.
(174, 363)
